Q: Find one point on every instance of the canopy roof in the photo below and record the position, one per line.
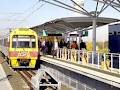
(69, 24)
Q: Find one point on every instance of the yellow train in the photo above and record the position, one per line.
(23, 48)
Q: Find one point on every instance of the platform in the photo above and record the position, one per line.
(4, 83)
(100, 75)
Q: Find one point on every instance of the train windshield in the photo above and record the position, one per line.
(23, 41)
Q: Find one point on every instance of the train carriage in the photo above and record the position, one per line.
(23, 48)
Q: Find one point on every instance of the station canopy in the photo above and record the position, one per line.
(70, 24)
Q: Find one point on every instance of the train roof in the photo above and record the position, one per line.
(69, 24)
(23, 31)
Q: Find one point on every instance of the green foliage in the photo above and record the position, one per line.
(101, 46)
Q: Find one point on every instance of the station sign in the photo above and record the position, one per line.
(84, 33)
(44, 33)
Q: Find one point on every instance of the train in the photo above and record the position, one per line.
(21, 47)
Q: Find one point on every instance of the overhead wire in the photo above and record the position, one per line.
(96, 9)
(14, 14)
(115, 8)
(81, 7)
(102, 8)
(7, 15)
(116, 5)
(64, 5)
(34, 11)
(67, 5)
(61, 6)
(81, 11)
(118, 1)
(105, 7)
(26, 11)
(31, 7)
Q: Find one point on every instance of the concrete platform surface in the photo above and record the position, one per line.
(100, 75)
(4, 82)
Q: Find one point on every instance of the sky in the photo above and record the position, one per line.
(28, 13)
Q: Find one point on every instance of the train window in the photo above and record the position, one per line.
(33, 44)
(14, 44)
(23, 42)
(115, 33)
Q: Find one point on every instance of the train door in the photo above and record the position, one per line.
(114, 47)
(114, 43)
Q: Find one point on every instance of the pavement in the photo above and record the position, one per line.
(4, 82)
(10, 79)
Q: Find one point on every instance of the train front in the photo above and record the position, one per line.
(23, 49)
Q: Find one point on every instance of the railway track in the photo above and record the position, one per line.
(27, 75)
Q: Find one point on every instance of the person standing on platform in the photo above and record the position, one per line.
(68, 44)
(39, 46)
(74, 45)
(54, 52)
(82, 45)
(50, 44)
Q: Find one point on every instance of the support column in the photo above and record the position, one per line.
(94, 37)
(79, 32)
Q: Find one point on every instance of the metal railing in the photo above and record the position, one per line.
(100, 60)
(105, 61)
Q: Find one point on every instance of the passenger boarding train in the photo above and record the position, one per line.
(21, 48)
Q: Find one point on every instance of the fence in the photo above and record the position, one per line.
(100, 60)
